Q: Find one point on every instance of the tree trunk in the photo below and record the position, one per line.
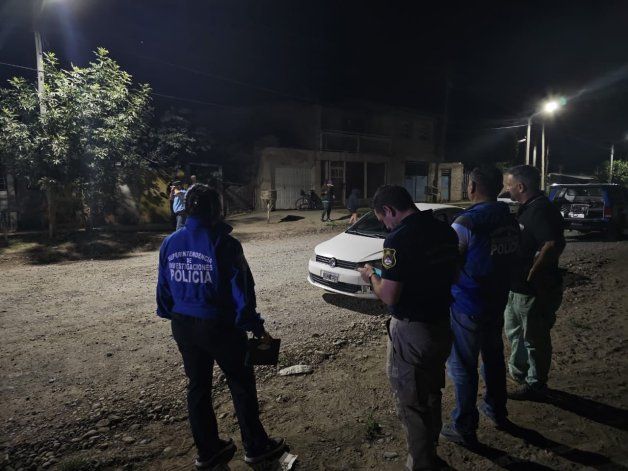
(52, 212)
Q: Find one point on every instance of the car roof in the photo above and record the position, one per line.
(586, 185)
(427, 206)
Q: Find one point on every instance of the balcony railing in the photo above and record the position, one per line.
(339, 141)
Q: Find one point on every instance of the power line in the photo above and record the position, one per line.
(18, 66)
(190, 100)
(160, 95)
(221, 77)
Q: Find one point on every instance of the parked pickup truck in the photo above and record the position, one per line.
(592, 207)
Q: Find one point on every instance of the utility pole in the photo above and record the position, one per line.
(610, 170)
(436, 182)
(39, 55)
(528, 140)
(534, 156)
(547, 154)
(543, 157)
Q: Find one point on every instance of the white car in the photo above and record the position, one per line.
(333, 267)
(512, 204)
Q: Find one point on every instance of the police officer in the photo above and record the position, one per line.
(488, 238)
(206, 288)
(536, 292)
(419, 264)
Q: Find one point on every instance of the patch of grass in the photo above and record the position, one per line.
(373, 429)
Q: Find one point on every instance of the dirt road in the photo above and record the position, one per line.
(92, 379)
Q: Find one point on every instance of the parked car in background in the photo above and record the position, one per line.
(592, 207)
(504, 197)
(333, 266)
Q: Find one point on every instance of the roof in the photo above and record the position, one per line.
(585, 184)
(428, 206)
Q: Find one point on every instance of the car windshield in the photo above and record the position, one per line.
(580, 195)
(368, 226)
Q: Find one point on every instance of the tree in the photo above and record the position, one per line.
(172, 138)
(620, 172)
(89, 136)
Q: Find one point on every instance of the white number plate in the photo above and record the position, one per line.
(576, 215)
(327, 276)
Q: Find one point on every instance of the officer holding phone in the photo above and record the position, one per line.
(419, 265)
(206, 288)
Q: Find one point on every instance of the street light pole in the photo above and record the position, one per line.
(543, 157)
(528, 140)
(610, 170)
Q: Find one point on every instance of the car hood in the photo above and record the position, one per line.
(351, 247)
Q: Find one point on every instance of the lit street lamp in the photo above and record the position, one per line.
(548, 108)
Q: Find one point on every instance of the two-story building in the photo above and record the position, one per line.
(358, 146)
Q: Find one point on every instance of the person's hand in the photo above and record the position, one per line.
(366, 272)
(265, 338)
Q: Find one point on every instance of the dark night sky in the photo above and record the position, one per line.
(501, 59)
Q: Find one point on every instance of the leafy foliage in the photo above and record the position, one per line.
(620, 172)
(89, 135)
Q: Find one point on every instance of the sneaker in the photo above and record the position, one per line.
(224, 454)
(273, 449)
(528, 393)
(500, 423)
(449, 433)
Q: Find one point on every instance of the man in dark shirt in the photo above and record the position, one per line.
(536, 289)
(419, 265)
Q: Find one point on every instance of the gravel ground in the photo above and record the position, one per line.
(92, 379)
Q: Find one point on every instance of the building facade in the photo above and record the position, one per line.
(357, 147)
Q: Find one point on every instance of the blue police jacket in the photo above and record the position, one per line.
(489, 237)
(203, 273)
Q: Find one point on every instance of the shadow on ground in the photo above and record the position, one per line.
(588, 409)
(38, 249)
(575, 236)
(370, 307)
(575, 455)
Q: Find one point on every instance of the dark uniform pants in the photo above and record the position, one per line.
(417, 352)
(181, 217)
(326, 210)
(201, 342)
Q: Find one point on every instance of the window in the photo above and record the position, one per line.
(3, 180)
(354, 177)
(423, 131)
(375, 177)
(406, 130)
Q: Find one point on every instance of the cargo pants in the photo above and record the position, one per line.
(415, 366)
(528, 320)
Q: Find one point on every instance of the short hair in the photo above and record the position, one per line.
(203, 202)
(489, 178)
(393, 196)
(528, 175)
